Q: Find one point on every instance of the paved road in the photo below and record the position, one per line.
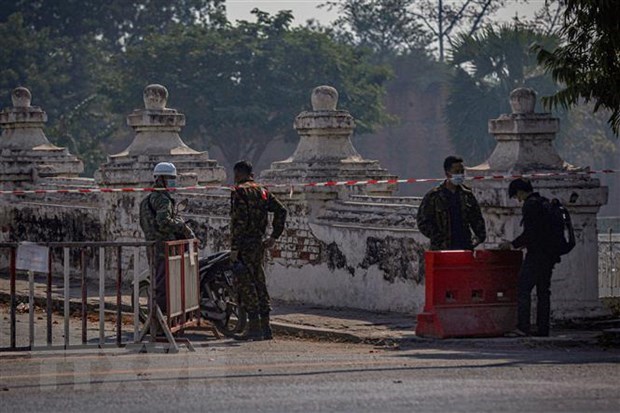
(304, 376)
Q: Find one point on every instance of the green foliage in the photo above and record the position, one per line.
(241, 87)
(387, 27)
(60, 75)
(87, 62)
(587, 63)
(114, 22)
(488, 66)
(396, 27)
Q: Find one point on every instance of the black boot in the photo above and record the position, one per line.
(265, 327)
(254, 332)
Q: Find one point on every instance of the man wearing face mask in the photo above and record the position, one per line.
(450, 213)
(160, 222)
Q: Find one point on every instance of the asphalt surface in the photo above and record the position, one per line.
(288, 375)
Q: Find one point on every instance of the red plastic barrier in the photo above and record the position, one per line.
(470, 294)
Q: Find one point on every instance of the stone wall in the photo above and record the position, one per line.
(359, 253)
(347, 247)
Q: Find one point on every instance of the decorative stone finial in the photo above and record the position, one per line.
(155, 97)
(157, 139)
(21, 97)
(324, 98)
(523, 100)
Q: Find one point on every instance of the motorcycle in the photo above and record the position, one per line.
(219, 298)
(220, 301)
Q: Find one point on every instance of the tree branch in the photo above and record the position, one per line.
(474, 27)
(425, 21)
(459, 15)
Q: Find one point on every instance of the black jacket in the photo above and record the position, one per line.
(536, 227)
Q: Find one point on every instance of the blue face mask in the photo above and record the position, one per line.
(457, 179)
(171, 183)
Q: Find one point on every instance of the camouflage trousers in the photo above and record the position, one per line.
(251, 284)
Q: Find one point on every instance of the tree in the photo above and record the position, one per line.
(587, 62)
(241, 86)
(402, 25)
(488, 66)
(115, 23)
(60, 75)
(548, 18)
(387, 27)
(445, 18)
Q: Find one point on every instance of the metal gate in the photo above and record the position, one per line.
(36, 256)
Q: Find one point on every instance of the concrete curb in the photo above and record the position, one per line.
(607, 338)
(305, 331)
(324, 334)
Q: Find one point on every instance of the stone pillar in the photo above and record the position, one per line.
(325, 151)
(157, 140)
(525, 145)
(26, 155)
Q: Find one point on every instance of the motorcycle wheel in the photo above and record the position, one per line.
(236, 316)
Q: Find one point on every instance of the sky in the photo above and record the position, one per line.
(307, 9)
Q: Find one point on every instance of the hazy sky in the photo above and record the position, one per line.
(306, 9)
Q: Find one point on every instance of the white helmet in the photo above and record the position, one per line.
(164, 169)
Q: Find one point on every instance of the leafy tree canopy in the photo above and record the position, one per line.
(116, 22)
(587, 62)
(489, 65)
(241, 87)
(60, 75)
(385, 26)
(402, 26)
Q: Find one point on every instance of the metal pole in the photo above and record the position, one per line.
(13, 300)
(136, 293)
(49, 297)
(168, 301)
(31, 309)
(198, 313)
(183, 318)
(84, 294)
(101, 295)
(152, 312)
(613, 283)
(119, 276)
(67, 292)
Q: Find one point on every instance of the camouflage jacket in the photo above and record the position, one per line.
(434, 217)
(250, 204)
(158, 218)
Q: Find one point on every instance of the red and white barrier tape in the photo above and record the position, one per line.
(311, 184)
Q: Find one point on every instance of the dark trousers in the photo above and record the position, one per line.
(535, 272)
(253, 286)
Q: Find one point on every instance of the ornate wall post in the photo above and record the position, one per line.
(525, 145)
(325, 151)
(157, 140)
(26, 155)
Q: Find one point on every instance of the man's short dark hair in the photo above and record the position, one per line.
(519, 184)
(243, 167)
(451, 160)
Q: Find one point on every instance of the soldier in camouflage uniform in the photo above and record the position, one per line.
(450, 213)
(250, 205)
(159, 222)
